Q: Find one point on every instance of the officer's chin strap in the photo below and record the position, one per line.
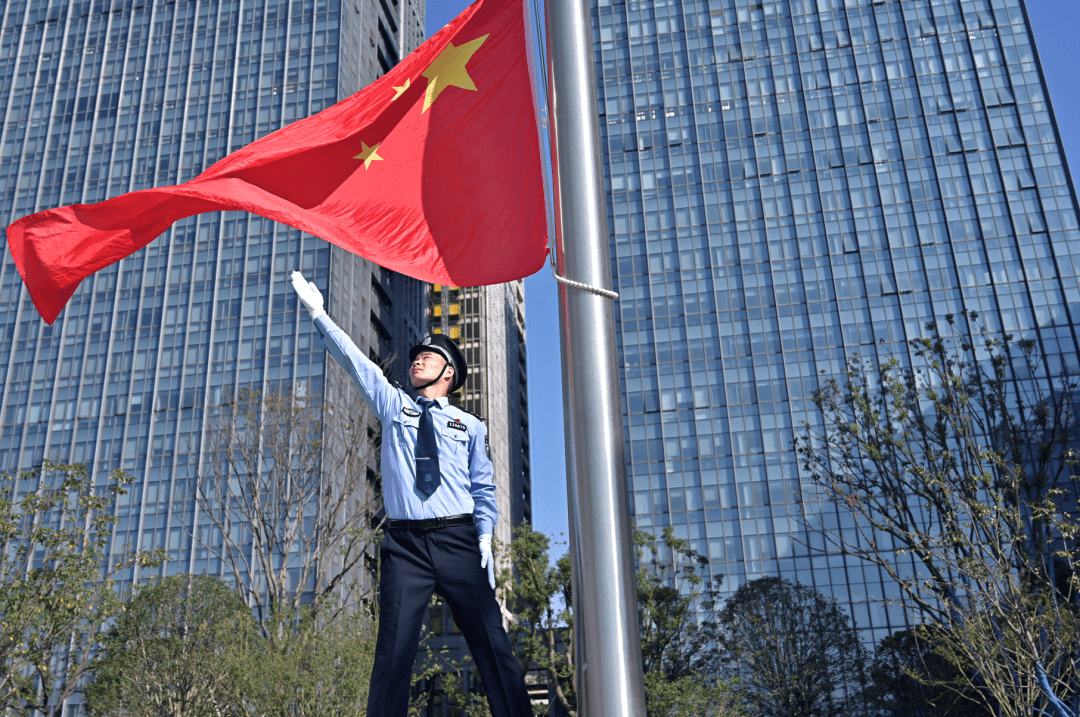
(435, 380)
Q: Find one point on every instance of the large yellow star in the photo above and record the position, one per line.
(368, 153)
(449, 69)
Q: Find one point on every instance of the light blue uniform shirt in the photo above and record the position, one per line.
(467, 485)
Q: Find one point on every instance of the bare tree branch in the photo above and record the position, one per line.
(957, 471)
(289, 501)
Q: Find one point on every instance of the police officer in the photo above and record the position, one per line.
(440, 502)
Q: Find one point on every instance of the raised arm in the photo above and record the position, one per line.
(369, 378)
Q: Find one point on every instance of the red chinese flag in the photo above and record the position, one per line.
(433, 171)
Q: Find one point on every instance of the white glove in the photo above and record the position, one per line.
(309, 294)
(487, 560)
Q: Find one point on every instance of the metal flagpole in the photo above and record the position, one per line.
(607, 642)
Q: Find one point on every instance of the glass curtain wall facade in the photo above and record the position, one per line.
(793, 182)
(103, 97)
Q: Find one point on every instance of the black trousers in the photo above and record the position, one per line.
(415, 563)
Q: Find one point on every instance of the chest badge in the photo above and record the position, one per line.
(411, 412)
(457, 426)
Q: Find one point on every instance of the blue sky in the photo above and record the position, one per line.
(1056, 24)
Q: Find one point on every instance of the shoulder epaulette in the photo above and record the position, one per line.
(476, 416)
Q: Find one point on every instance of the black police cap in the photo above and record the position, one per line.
(448, 349)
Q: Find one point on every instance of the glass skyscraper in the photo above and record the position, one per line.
(102, 97)
(791, 183)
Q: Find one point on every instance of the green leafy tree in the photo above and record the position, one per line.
(436, 678)
(539, 596)
(675, 602)
(695, 695)
(315, 666)
(910, 677)
(796, 653)
(676, 606)
(445, 680)
(680, 647)
(57, 594)
(956, 472)
(174, 651)
(188, 646)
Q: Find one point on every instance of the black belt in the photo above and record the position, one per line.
(430, 523)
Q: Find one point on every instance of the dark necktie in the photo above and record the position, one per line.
(427, 451)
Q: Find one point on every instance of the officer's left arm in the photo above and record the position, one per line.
(482, 485)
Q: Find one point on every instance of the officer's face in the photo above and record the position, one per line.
(426, 367)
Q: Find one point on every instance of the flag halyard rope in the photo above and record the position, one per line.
(606, 293)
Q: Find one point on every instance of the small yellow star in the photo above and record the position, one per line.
(399, 91)
(448, 69)
(368, 153)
